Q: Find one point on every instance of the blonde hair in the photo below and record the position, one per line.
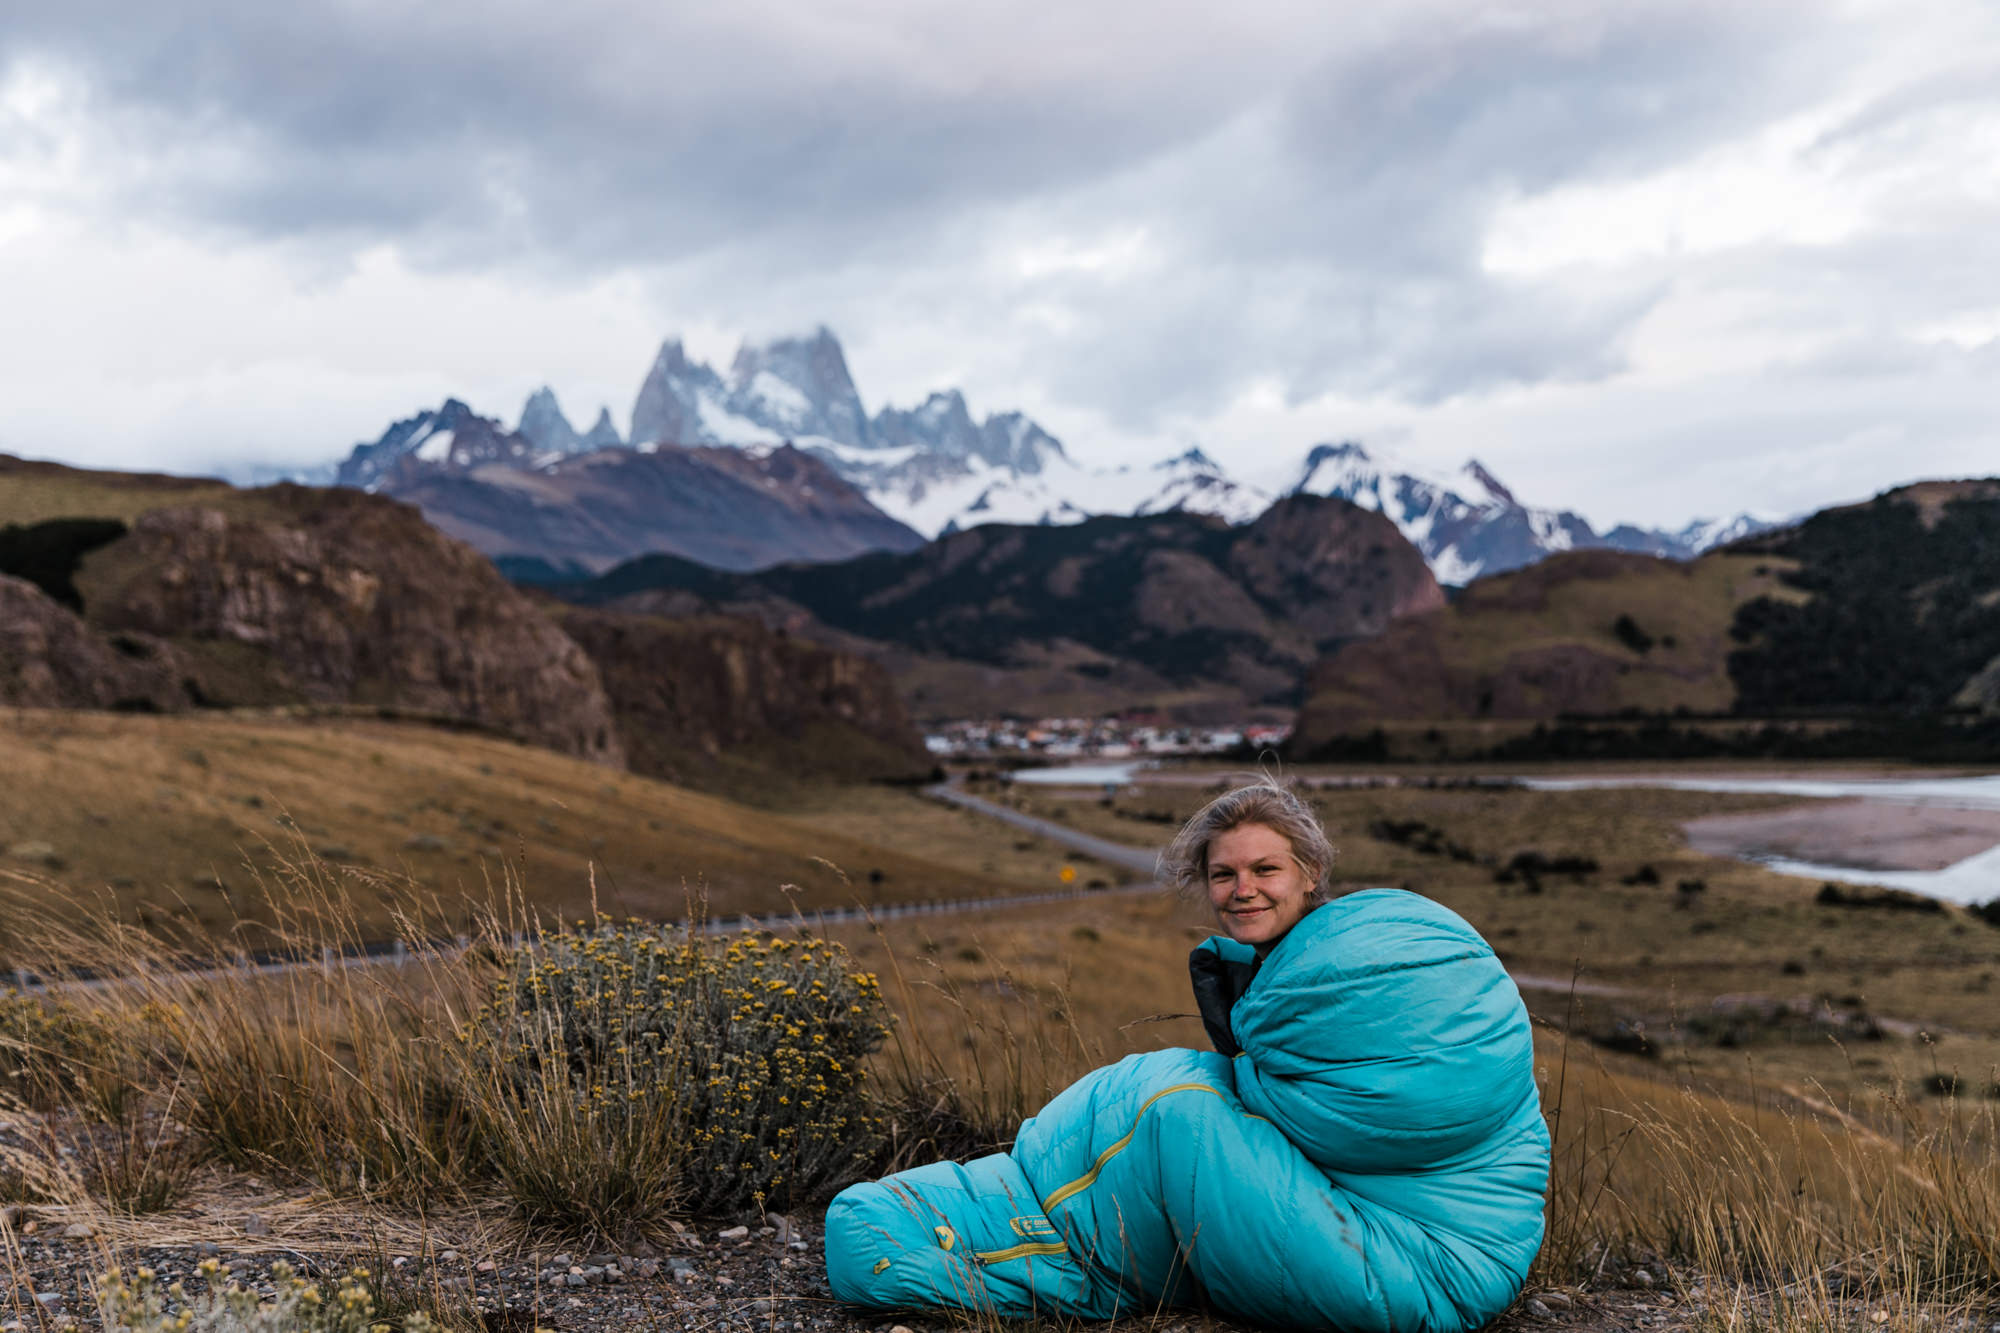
(1184, 863)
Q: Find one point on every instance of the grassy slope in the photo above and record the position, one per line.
(1538, 642)
(37, 492)
(166, 811)
(1746, 929)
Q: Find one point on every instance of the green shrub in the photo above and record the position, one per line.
(644, 1059)
(140, 1305)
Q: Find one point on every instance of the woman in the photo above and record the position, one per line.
(1364, 1150)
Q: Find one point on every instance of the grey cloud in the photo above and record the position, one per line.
(589, 135)
(1315, 191)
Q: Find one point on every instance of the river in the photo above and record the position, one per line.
(1972, 880)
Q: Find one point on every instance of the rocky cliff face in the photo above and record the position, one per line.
(339, 597)
(50, 659)
(688, 691)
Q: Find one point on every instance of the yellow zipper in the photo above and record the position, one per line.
(1021, 1251)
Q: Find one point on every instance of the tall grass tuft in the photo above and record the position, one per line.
(967, 1062)
(1785, 1207)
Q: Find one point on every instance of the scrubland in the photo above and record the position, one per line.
(1818, 1150)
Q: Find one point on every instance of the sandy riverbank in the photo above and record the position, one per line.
(1874, 835)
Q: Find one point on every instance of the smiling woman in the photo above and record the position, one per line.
(1364, 1149)
(1261, 857)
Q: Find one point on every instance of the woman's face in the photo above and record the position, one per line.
(1255, 885)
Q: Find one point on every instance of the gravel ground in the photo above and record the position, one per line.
(769, 1278)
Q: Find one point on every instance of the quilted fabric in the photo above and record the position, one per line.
(1372, 1158)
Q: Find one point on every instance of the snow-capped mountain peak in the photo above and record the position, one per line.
(1469, 523)
(544, 425)
(1485, 485)
(454, 436)
(799, 387)
(937, 467)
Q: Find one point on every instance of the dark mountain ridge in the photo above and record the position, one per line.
(1185, 597)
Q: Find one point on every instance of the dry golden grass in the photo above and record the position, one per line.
(162, 815)
(1790, 1207)
(948, 835)
(1748, 932)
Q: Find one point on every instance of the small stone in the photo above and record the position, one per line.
(563, 1260)
(486, 1266)
(558, 1279)
(1558, 1299)
(651, 1267)
(733, 1233)
(207, 1249)
(902, 1328)
(37, 853)
(763, 1305)
(10, 1215)
(255, 1225)
(1539, 1310)
(593, 1274)
(1641, 1278)
(448, 1257)
(48, 1300)
(1879, 1317)
(573, 1279)
(725, 1282)
(79, 1231)
(614, 1274)
(787, 1232)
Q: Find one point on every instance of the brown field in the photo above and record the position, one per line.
(1789, 1181)
(175, 815)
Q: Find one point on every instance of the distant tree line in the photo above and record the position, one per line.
(1899, 617)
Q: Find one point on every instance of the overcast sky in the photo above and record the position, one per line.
(1643, 260)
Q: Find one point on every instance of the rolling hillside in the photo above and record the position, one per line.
(176, 816)
(1867, 629)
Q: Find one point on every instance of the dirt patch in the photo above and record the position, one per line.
(1869, 835)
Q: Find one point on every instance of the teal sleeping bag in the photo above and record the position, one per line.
(1368, 1155)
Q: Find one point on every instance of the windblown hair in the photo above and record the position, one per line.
(1184, 863)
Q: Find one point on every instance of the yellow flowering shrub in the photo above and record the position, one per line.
(753, 1046)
